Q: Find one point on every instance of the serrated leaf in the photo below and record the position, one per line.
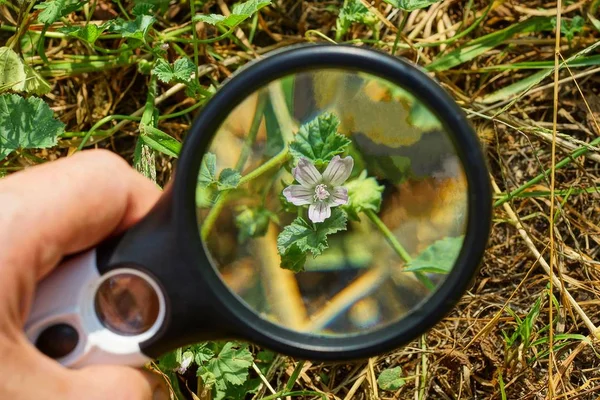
(411, 5)
(318, 140)
(88, 33)
(26, 123)
(239, 14)
(34, 83)
(143, 9)
(170, 361)
(300, 237)
(364, 193)
(390, 379)
(136, 29)
(202, 353)
(438, 258)
(231, 365)
(228, 179)
(181, 70)
(160, 141)
(208, 170)
(12, 71)
(53, 10)
(252, 223)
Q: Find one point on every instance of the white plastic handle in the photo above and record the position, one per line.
(67, 295)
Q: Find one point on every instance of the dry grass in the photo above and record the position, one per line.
(466, 355)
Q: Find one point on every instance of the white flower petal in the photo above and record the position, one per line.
(339, 196)
(319, 212)
(306, 173)
(298, 195)
(338, 170)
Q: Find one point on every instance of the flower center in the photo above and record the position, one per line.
(321, 192)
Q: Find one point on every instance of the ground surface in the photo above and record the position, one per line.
(507, 338)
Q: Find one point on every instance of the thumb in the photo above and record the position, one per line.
(120, 383)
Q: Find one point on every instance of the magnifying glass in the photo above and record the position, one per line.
(330, 203)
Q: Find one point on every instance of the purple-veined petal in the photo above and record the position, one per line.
(298, 195)
(319, 211)
(306, 173)
(339, 196)
(338, 170)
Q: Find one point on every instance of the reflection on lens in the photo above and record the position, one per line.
(127, 304)
(332, 202)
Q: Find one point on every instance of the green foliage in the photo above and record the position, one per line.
(253, 222)
(364, 193)
(226, 372)
(136, 29)
(160, 141)
(53, 10)
(524, 332)
(318, 140)
(88, 33)
(482, 44)
(411, 5)
(181, 71)
(239, 14)
(18, 76)
(26, 123)
(352, 12)
(438, 258)
(569, 28)
(300, 237)
(228, 178)
(390, 379)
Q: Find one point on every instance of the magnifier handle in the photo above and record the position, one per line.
(63, 323)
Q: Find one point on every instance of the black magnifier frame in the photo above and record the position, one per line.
(167, 243)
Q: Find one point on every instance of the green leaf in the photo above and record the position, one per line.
(136, 29)
(228, 179)
(293, 259)
(364, 193)
(12, 72)
(569, 28)
(253, 222)
(181, 70)
(202, 353)
(53, 10)
(411, 5)
(26, 123)
(170, 361)
(208, 170)
(390, 379)
(230, 367)
(300, 237)
(88, 33)
(160, 141)
(485, 43)
(438, 258)
(239, 14)
(34, 83)
(143, 9)
(318, 140)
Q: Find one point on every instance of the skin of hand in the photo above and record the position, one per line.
(47, 212)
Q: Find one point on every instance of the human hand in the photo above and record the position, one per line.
(46, 213)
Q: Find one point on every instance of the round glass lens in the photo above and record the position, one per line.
(127, 304)
(332, 202)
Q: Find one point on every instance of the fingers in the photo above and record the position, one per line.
(116, 383)
(63, 207)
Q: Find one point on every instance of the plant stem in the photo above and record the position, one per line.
(258, 116)
(398, 248)
(214, 212)
(102, 122)
(294, 376)
(565, 161)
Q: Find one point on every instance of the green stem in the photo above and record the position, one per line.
(565, 161)
(102, 122)
(200, 41)
(258, 116)
(398, 248)
(294, 376)
(214, 212)
(182, 112)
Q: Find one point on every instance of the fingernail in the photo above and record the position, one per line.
(161, 393)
